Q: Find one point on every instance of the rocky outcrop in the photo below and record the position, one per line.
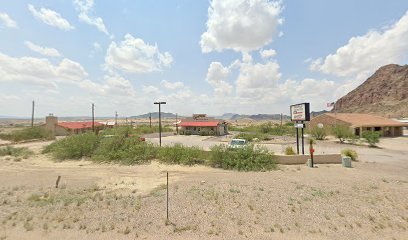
(385, 93)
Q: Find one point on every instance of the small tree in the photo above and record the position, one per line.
(372, 137)
(342, 132)
(318, 133)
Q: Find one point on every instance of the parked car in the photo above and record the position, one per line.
(237, 143)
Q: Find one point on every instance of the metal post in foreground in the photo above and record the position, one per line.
(32, 115)
(297, 138)
(176, 124)
(167, 196)
(303, 140)
(93, 117)
(160, 128)
(150, 119)
(116, 118)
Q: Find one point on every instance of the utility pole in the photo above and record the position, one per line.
(160, 103)
(32, 115)
(281, 119)
(93, 117)
(150, 119)
(176, 124)
(116, 118)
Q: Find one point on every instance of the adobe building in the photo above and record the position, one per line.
(360, 122)
(69, 128)
(200, 124)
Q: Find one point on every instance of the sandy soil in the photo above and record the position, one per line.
(368, 201)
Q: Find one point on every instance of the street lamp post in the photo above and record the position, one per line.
(160, 103)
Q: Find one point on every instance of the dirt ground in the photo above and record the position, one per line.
(94, 201)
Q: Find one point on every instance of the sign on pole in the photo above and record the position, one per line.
(300, 112)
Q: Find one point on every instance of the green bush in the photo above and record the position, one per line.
(15, 152)
(267, 128)
(28, 134)
(289, 151)
(318, 133)
(73, 147)
(179, 154)
(248, 158)
(350, 153)
(125, 150)
(342, 132)
(372, 137)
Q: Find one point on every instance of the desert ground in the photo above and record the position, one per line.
(106, 201)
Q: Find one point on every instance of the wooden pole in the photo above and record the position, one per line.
(167, 196)
(93, 117)
(32, 114)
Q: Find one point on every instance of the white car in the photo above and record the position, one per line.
(237, 143)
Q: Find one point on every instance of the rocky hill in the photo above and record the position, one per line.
(384, 93)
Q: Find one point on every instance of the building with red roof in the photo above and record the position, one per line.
(68, 128)
(200, 124)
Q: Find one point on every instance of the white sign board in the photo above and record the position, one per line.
(300, 112)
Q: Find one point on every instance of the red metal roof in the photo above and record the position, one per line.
(78, 125)
(199, 124)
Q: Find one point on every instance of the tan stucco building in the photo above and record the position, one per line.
(360, 122)
(69, 128)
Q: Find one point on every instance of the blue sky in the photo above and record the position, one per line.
(212, 57)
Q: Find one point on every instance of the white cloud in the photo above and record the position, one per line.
(172, 86)
(119, 86)
(364, 54)
(316, 92)
(133, 55)
(50, 17)
(50, 52)
(270, 53)
(240, 25)
(40, 71)
(151, 90)
(256, 79)
(85, 8)
(217, 75)
(97, 46)
(7, 20)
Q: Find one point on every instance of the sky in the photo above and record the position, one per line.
(200, 56)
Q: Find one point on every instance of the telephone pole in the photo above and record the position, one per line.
(176, 124)
(32, 115)
(93, 117)
(150, 119)
(116, 118)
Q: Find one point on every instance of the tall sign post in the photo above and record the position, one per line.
(93, 117)
(32, 114)
(160, 128)
(300, 113)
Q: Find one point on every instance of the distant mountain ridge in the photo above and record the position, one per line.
(385, 93)
(156, 115)
(235, 116)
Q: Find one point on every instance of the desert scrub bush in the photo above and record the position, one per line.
(179, 154)
(248, 158)
(350, 153)
(342, 132)
(372, 137)
(28, 134)
(73, 147)
(318, 133)
(125, 150)
(289, 151)
(267, 129)
(15, 152)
